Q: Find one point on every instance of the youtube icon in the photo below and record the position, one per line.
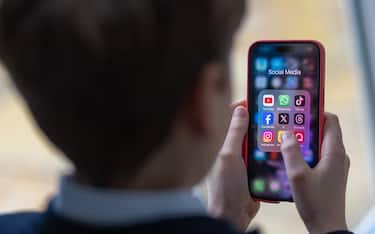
(268, 100)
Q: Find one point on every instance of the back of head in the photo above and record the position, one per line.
(105, 79)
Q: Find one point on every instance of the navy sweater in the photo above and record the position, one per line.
(50, 223)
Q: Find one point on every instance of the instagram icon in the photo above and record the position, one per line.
(268, 136)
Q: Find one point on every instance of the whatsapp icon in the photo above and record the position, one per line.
(284, 100)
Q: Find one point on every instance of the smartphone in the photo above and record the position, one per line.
(285, 93)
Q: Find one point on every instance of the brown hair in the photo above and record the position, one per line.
(104, 79)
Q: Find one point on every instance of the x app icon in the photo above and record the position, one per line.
(283, 118)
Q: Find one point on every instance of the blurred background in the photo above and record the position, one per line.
(29, 166)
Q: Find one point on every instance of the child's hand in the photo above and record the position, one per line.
(228, 195)
(319, 193)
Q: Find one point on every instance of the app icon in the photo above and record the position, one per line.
(300, 136)
(299, 100)
(274, 155)
(291, 82)
(261, 64)
(258, 185)
(283, 118)
(268, 118)
(276, 82)
(267, 136)
(256, 118)
(299, 119)
(308, 64)
(308, 83)
(292, 63)
(268, 100)
(259, 155)
(280, 136)
(261, 82)
(274, 186)
(277, 63)
(308, 156)
(284, 100)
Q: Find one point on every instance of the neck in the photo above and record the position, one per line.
(175, 165)
(160, 172)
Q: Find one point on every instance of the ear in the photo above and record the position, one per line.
(210, 97)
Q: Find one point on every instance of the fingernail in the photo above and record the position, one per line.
(240, 112)
(286, 135)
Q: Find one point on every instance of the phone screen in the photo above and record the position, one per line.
(284, 88)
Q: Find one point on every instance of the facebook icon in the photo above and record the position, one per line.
(267, 118)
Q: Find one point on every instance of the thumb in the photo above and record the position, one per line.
(293, 159)
(237, 130)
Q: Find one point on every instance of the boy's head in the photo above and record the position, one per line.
(118, 84)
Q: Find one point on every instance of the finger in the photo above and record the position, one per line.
(295, 165)
(252, 207)
(347, 162)
(332, 146)
(347, 165)
(236, 104)
(236, 132)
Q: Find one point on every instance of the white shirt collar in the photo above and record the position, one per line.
(101, 207)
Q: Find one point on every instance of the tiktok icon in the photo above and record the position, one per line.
(299, 100)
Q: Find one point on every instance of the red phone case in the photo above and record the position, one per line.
(321, 93)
